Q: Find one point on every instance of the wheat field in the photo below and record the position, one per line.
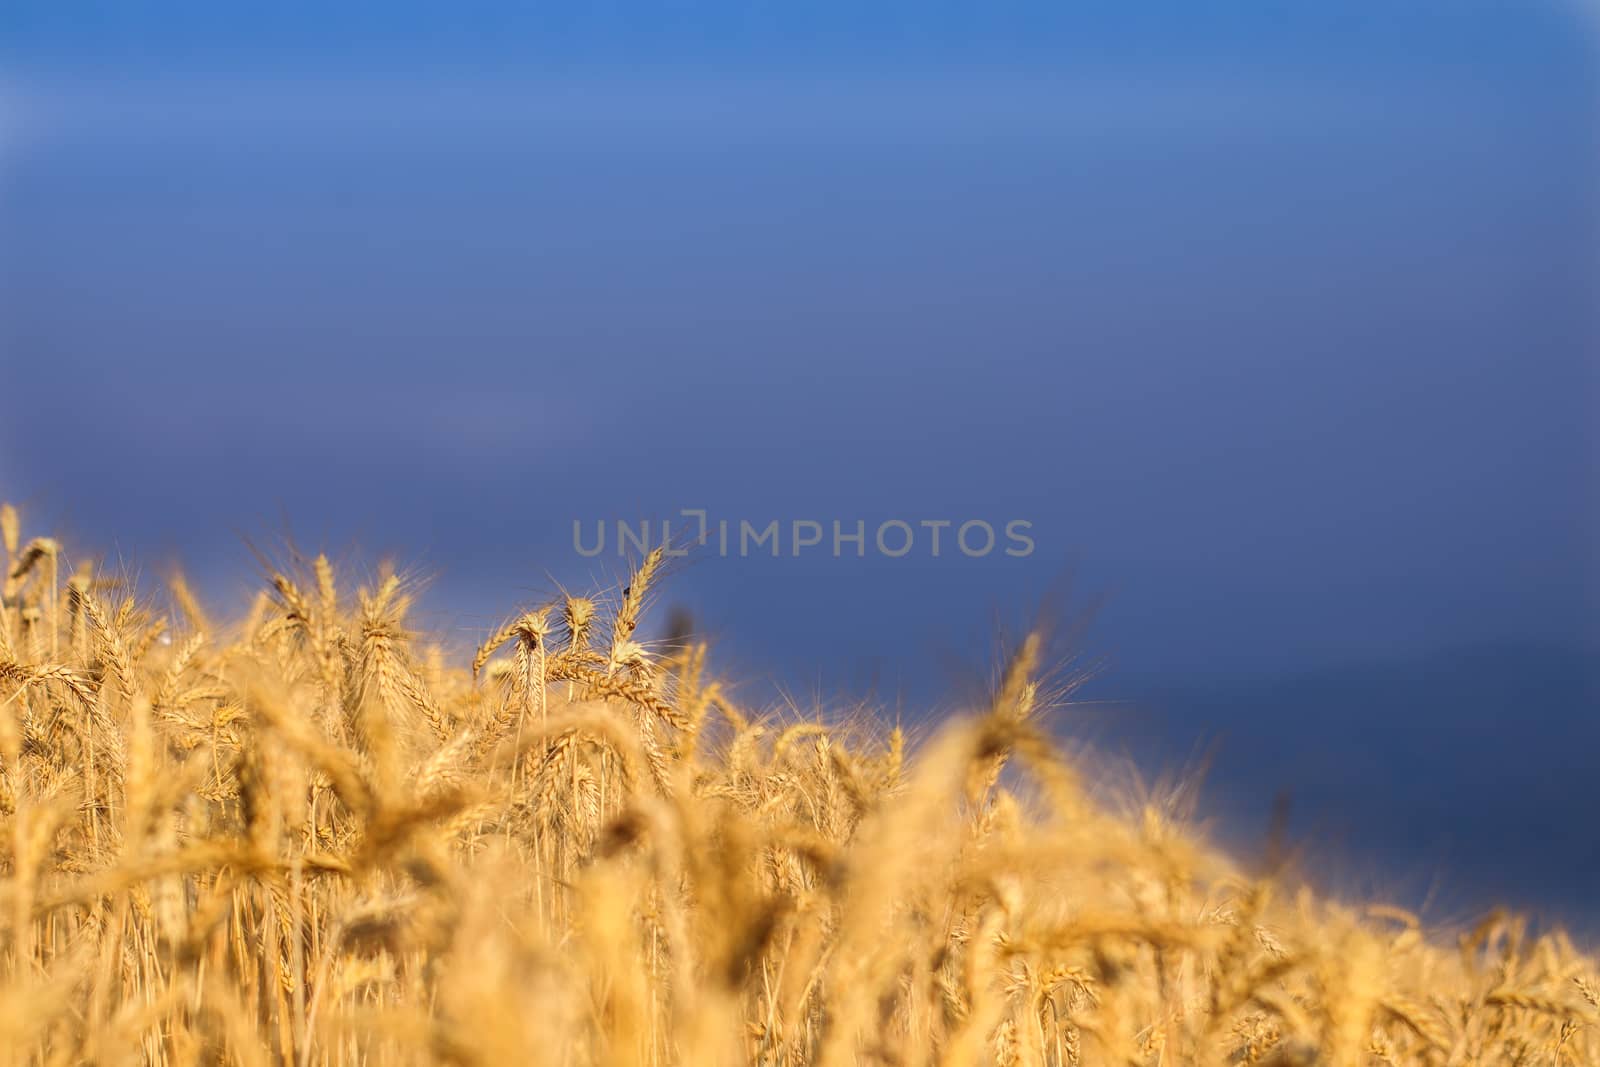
(309, 836)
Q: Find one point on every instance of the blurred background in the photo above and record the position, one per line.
(1277, 322)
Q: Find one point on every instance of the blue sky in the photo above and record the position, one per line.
(1276, 321)
(422, 38)
(1287, 307)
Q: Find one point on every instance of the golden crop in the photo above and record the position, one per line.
(306, 838)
